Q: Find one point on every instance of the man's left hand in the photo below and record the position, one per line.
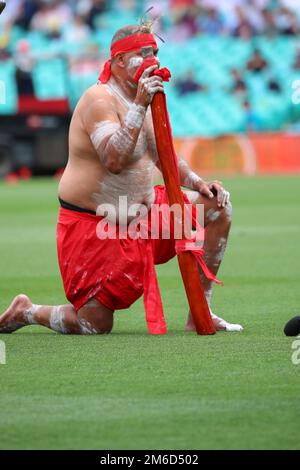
(223, 196)
(214, 188)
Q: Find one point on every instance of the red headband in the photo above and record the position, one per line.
(129, 44)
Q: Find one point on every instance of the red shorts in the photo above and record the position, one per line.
(110, 270)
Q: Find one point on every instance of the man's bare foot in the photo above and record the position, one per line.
(13, 318)
(223, 325)
(219, 323)
(190, 325)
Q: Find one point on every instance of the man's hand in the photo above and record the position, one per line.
(215, 188)
(148, 86)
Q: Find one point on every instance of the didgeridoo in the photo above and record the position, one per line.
(187, 263)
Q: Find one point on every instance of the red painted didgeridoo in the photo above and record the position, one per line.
(187, 263)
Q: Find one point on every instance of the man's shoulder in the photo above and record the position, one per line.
(97, 93)
(95, 104)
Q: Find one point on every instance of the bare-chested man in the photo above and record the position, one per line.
(112, 154)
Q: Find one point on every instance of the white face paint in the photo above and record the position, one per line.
(134, 62)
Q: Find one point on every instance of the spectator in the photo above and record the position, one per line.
(239, 86)
(211, 22)
(27, 10)
(188, 84)
(51, 17)
(273, 85)
(98, 7)
(87, 63)
(269, 23)
(286, 22)
(185, 25)
(181, 5)
(128, 5)
(252, 121)
(4, 54)
(24, 66)
(77, 30)
(5, 35)
(296, 64)
(252, 11)
(257, 63)
(244, 29)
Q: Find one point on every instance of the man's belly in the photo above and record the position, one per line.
(125, 196)
(120, 197)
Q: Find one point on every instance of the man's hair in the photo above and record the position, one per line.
(127, 31)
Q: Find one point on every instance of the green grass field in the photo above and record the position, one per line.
(129, 390)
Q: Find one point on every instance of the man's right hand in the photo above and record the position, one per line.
(148, 86)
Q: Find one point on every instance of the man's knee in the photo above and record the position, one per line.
(105, 328)
(105, 325)
(95, 319)
(220, 214)
(95, 326)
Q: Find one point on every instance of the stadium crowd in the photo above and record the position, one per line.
(178, 21)
(182, 18)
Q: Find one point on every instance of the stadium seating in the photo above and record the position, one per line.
(213, 112)
(50, 78)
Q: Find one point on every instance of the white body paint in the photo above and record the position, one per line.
(102, 130)
(212, 215)
(135, 117)
(221, 250)
(191, 179)
(56, 321)
(136, 180)
(30, 313)
(113, 88)
(228, 209)
(135, 183)
(123, 143)
(121, 138)
(86, 328)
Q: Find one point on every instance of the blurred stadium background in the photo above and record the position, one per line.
(233, 99)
